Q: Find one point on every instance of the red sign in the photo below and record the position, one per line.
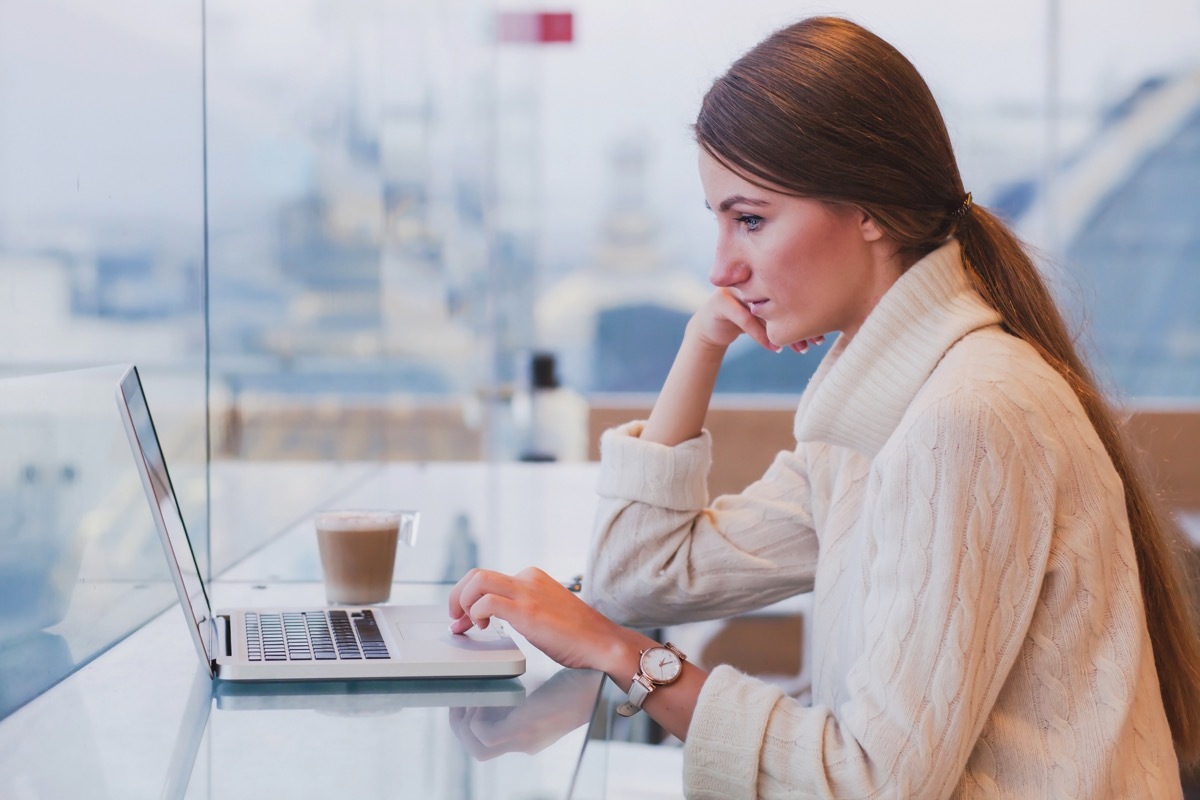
(534, 27)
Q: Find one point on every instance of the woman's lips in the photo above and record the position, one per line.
(755, 306)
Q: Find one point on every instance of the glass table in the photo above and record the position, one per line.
(143, 719)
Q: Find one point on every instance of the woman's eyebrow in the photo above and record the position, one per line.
(735, 199)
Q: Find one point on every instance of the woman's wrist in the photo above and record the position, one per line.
(621, 656)
(694, 337)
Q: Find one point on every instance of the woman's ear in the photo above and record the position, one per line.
(871, 232)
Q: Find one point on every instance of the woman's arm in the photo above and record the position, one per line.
(662, 554)
(661, 551)
(679, 411)
(682, 404)
(782, 553)
(562, 626)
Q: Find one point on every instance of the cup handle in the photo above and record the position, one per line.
(408, 527)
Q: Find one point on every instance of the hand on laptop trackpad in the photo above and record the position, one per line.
(424, 631)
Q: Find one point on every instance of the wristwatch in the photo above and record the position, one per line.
(657, 666)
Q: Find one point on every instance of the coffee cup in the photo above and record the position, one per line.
(358, 552)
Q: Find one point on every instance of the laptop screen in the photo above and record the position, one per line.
(152, 466)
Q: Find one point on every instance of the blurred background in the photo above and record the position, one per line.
(391, 230)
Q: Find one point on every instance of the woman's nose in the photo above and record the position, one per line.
(728, 269)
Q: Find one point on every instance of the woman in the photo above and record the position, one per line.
(996, 610)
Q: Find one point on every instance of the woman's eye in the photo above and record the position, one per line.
(751, 221)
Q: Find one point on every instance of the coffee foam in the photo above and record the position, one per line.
(356, 520)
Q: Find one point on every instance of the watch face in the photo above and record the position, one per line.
(660, 665)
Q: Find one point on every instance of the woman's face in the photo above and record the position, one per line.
(804, 267)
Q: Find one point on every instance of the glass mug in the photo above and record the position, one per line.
(358, 552)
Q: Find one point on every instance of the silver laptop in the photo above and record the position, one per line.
(282, 644)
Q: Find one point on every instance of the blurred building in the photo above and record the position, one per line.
(1124, 215)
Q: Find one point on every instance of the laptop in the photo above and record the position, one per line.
(335, 643)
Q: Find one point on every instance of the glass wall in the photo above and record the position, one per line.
(101, 263)
(394, 228)
(1057, 111)
(347, 153)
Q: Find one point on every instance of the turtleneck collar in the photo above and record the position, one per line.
(863, 387)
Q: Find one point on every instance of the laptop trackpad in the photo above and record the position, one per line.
(473, 639)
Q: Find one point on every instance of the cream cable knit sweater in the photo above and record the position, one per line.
(977, 629)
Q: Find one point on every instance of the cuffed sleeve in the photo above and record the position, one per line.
(638, 471)
(715, 764)
(660, 555)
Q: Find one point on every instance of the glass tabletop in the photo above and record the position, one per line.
(145, 720)
(142, 717)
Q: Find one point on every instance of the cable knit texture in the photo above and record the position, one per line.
(977, 629)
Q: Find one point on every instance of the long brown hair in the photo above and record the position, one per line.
(825, 109)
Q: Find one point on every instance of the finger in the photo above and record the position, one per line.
(491, 605)
(497, 728)
(488, 582)
(755, 329)
(458, 720)
(474, 585)
(739, 314)
(456, 609)
(463, 728)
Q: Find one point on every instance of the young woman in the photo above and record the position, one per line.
(996, 611)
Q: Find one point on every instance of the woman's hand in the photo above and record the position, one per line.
(572, 633)
(722, 318)
(553, 619)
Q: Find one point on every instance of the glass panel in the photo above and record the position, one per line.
(80, 562)
(1123, 209)
(101, 261)
(348, 267)
(624, 242)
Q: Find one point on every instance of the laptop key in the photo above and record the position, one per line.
(371, 637)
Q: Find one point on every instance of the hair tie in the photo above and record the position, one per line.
(962, 210)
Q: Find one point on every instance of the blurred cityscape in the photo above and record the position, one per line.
(373, 261)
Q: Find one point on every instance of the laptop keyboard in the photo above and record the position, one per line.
(314, 636)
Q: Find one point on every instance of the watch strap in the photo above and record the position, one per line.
(638, 692)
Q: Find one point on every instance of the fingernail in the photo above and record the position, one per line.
(819, 340)
(777, 349)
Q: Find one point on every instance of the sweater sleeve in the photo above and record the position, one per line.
(960, 530)
(661, 554)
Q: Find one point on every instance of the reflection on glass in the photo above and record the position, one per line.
(560, 705)
(101, 257)
(399, 738)
(76, 571)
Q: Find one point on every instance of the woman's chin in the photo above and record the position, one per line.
(785, 340)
